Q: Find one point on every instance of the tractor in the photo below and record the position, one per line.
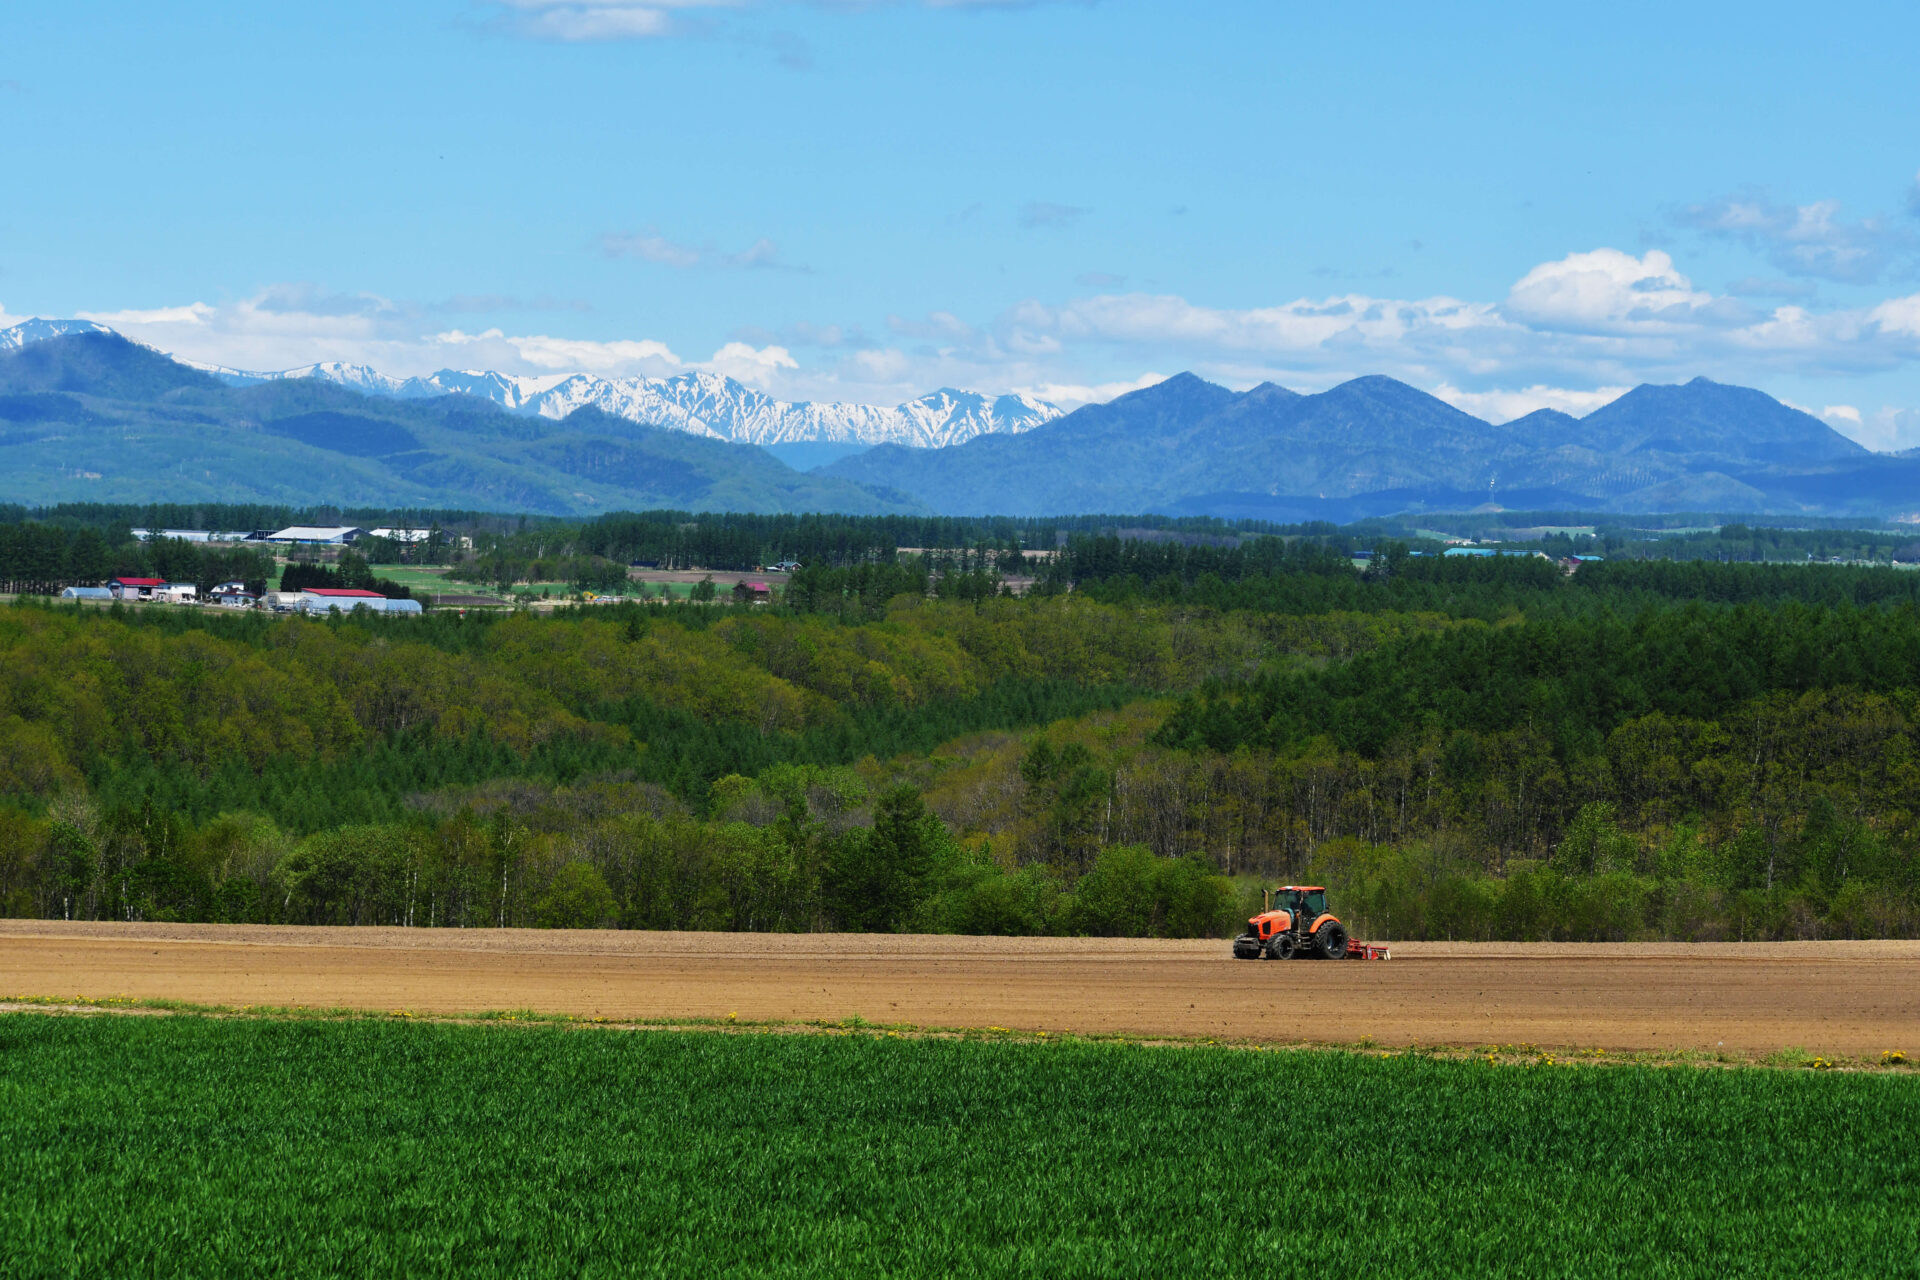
(1294, 921)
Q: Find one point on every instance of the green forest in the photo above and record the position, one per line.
(1458, 748)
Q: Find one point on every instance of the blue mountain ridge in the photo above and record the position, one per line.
(90, 416)
(1376, 446)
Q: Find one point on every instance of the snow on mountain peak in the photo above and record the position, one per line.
(699, 401)
(36, 329)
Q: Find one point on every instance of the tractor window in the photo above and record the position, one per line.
(1316, 906)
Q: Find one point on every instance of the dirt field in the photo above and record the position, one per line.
(1841, 997)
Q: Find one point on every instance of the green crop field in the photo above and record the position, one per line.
(214, 1146)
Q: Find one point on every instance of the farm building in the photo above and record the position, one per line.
(134, 588)
(86, 593)
(323, 599)
(315, 535)
(241, 599)
(1491, 551)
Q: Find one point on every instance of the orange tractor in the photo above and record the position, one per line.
(1294, 921)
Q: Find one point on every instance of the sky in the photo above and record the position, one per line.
(1516, 206)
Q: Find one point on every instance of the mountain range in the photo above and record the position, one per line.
(702, 404)
(87, 415)
(1375, 446)
(90, 416)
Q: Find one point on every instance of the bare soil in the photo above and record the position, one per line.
(723, 579)
(1855, 998)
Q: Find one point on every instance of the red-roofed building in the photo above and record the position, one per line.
(751, 593)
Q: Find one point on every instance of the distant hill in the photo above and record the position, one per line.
(1375, 446)
(90, 416)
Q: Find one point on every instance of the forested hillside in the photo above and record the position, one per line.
(1467, 748)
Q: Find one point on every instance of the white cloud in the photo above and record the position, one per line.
(650, 246)
(193, 313)
(1299, 326)
(1810, 240)
(571, 355)
(1887, 429)
(1841, 413)
(1606, 291)
(1898, 315)
(1071, 395)
(277, 328)
(751, 365)
(761, 253)
(1504, 406)
(1578, 326)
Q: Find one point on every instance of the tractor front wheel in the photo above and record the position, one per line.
(1281, 947)
(1331, 942)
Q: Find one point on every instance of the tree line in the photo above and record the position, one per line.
(1460, 748)
(41, 559)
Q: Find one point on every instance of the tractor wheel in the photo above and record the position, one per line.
(1281, 947)
(1331, 942)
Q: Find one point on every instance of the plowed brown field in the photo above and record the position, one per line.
(1837, 997)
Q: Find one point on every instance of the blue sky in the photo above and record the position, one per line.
(868, 200)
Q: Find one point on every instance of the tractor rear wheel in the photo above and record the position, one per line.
(1281, 947)
(1331, 942)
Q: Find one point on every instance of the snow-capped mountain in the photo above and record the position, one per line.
(711, 405)
(703, 404)
(38, 330)
(355, 377)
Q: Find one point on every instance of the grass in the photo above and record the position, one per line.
(413, 576)
(198, 1145)
(447, 583)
